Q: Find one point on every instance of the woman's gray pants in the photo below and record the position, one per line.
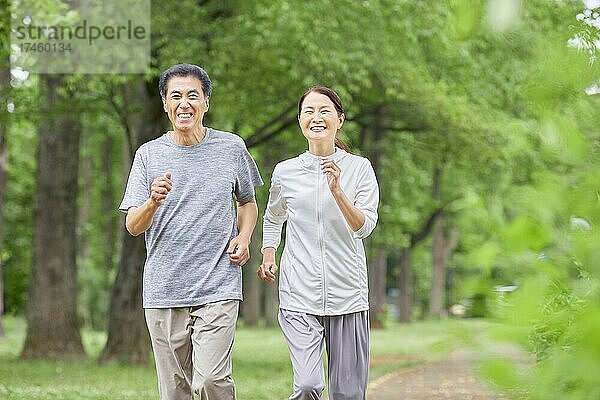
(346, 339)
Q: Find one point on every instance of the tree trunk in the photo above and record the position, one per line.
(449, 246)
(438, 273)
(250, 310)
(53, 328)
(128, 339)
(377, 287)
(406, 285)
(406, 278)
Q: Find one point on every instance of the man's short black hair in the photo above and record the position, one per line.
(184, 70)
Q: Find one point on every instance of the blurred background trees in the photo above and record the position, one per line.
(479, 117)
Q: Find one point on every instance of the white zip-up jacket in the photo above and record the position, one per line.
(323, 269)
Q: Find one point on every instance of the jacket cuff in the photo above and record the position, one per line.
(363, 231)
(273, 245)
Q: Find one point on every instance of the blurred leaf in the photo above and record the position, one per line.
(525, 233)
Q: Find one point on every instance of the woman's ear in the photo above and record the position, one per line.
(341, 119)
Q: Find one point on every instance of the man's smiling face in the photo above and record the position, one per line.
(185, 103)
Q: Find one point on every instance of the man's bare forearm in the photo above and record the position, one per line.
(139, 219)
(247, 214)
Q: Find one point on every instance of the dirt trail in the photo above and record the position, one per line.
(453, 376)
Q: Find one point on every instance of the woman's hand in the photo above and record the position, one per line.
(332, 171)
(266, 271)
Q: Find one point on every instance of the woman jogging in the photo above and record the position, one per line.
(329, 199)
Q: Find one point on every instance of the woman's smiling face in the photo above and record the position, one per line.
(318, 118)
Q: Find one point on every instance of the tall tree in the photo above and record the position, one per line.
(442, 247)
(52, 324)
(406, 279)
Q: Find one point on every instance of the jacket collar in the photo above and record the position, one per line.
(312, 162)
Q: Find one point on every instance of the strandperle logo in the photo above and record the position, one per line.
(84, 31)
(95, 37)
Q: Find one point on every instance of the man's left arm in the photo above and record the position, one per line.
(239, 247)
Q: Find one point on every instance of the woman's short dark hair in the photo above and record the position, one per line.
(337, 103)
(185, 70)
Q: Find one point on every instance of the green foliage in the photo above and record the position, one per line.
(554, 228)
(559, 311)
(17, 215)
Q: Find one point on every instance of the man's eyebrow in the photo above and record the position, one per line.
(176, 91)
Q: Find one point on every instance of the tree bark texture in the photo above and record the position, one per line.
(438, 273)
(377, 282)
(53, 328)
(250, 310)
(406, 284)
(128, 340)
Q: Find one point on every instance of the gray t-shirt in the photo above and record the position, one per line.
(186, 262)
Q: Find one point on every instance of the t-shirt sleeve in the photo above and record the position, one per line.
(247, 176)
(137, 190)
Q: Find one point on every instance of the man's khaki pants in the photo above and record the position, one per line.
(192, 348)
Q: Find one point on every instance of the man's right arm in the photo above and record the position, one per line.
(139, 219)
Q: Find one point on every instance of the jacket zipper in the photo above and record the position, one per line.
(321, 239)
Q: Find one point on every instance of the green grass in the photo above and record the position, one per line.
(262, 368)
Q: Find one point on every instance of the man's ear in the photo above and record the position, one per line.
(207, 102)
(164, 104)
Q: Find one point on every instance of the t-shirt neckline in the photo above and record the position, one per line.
(171, 141)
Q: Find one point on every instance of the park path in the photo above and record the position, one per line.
(454, 377)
